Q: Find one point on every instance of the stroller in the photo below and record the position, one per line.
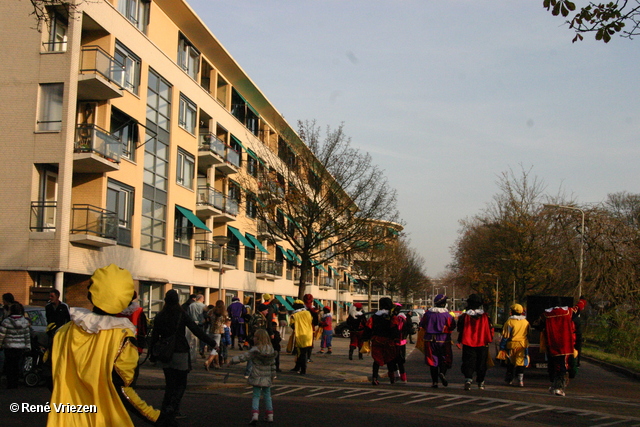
(32, 363)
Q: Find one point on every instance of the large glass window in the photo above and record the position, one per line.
(251, 209)
(136, 11)
(185, 169)
(159, 101)
(188, 57)
(125, 127)
(188, 114)
(50, 107)
(120, 201)
(57, 36)
(131, 63)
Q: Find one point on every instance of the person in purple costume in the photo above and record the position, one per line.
(438, 323)
(237, 311)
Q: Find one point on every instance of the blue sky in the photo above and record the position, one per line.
(447, 95)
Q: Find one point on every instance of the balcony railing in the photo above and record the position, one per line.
(308, 279)
(269, 267)
(95, 60)
(210, 142)
(43, 216)
(208, 196)
(93, 139)
(233, 157)
(326, 282)
(209, 252)
(94, 221)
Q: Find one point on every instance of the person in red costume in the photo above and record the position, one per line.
(559, 340)
(475, 333)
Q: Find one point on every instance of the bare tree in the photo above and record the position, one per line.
(323, 196)
(41, 10)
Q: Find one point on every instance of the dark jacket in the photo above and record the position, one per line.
(164, 325)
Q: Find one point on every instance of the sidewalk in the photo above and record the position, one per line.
(324, 368)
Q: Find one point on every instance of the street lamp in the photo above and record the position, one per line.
(581, 240)
(495, 316)
(220, 241)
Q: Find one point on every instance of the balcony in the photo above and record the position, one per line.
(95, 150)
(213, 203)
(208, 256)
(308, 279)
(271, 191)
(268, 269)
(93, 226)
(212, 151)
(326, 283)
(344, 286)
(43, 216)
(263, 231)
(101, 76)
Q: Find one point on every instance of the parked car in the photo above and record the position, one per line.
(342, 330)
(416, 315)
(37, 316)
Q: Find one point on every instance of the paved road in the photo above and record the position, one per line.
(338, 391)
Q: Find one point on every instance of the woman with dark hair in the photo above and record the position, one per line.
(172, 320)
(15, 338)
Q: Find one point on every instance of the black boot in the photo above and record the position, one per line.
(360, 356)
(351, 353)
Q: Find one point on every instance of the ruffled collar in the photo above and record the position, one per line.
(549, 310)
(476, 312)
(438, 310)
(382, 313)
(93, 323)
(518, 317)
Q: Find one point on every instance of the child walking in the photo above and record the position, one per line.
(263, 372)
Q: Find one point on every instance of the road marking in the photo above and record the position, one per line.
(391, 395)
(320, 393)
(473, 399)
(533, 411)
(358, 394)
(610, 424)
(422, 400)
(289, 391)
(504, 405)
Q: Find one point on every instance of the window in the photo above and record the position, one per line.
(188, 57)
(183, 231)
(252, 166)
(131, 63)
(251, 205)
(120, 201)
(159, 101)
(185, 169)
(234, 191)
(188, 115)
(249, 258)
(222, 91)
(57, 36)
(244, 112)
(136, 11)
(125, 128)
(50, 108)
(43, 211)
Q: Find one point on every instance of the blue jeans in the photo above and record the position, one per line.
(257, 393)
(327, 336)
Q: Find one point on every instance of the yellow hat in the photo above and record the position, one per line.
(111, 289)
(298, 301)
(266, 297)
(517, 308)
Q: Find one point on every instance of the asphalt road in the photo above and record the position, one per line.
(337, 391)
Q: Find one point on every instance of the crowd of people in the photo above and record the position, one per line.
(102, 345)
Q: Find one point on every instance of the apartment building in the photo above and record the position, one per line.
(128, 130)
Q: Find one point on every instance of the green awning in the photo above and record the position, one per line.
(285, 253)
(197, 222)
(240, 237)
(237, 141)
(291, 300)
(284, 302)
(318, 303)
(320, 267)
(294, 256)
(334, 271)
(255, 156)
(393, 231)
(257, 243)
(291, 220)
(351, 278)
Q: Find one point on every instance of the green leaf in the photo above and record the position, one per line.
(571, 5)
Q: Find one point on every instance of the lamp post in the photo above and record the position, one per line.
(220, 241)
(581, 262)
(495, 315)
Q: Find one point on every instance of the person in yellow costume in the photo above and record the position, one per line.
(302, 323)
(515, 333)
(95, 358)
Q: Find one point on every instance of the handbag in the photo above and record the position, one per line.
(291, 343)
(163, 348)
(420, 340)
(366, 347)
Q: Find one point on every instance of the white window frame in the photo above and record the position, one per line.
(185, 169)
(188, 114)
(50, 107)
(57, 35)
(131, 63)
(188, 57)
(136, 11)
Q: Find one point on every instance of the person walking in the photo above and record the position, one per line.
(263, 372)
(475, 333)
(559, 341)
(326, 323)
(404, 327)
(515, 341)
(382, 330)
(95, 358)
(217, 317)
(57, 312)
(237, 312)
(438, 323)
(283, 322)
(301, 321)
(356, 322)
(15, 339)
(173, 321)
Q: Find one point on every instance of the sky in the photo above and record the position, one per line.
(446, 96)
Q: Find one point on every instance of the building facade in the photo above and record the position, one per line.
(129, 128)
